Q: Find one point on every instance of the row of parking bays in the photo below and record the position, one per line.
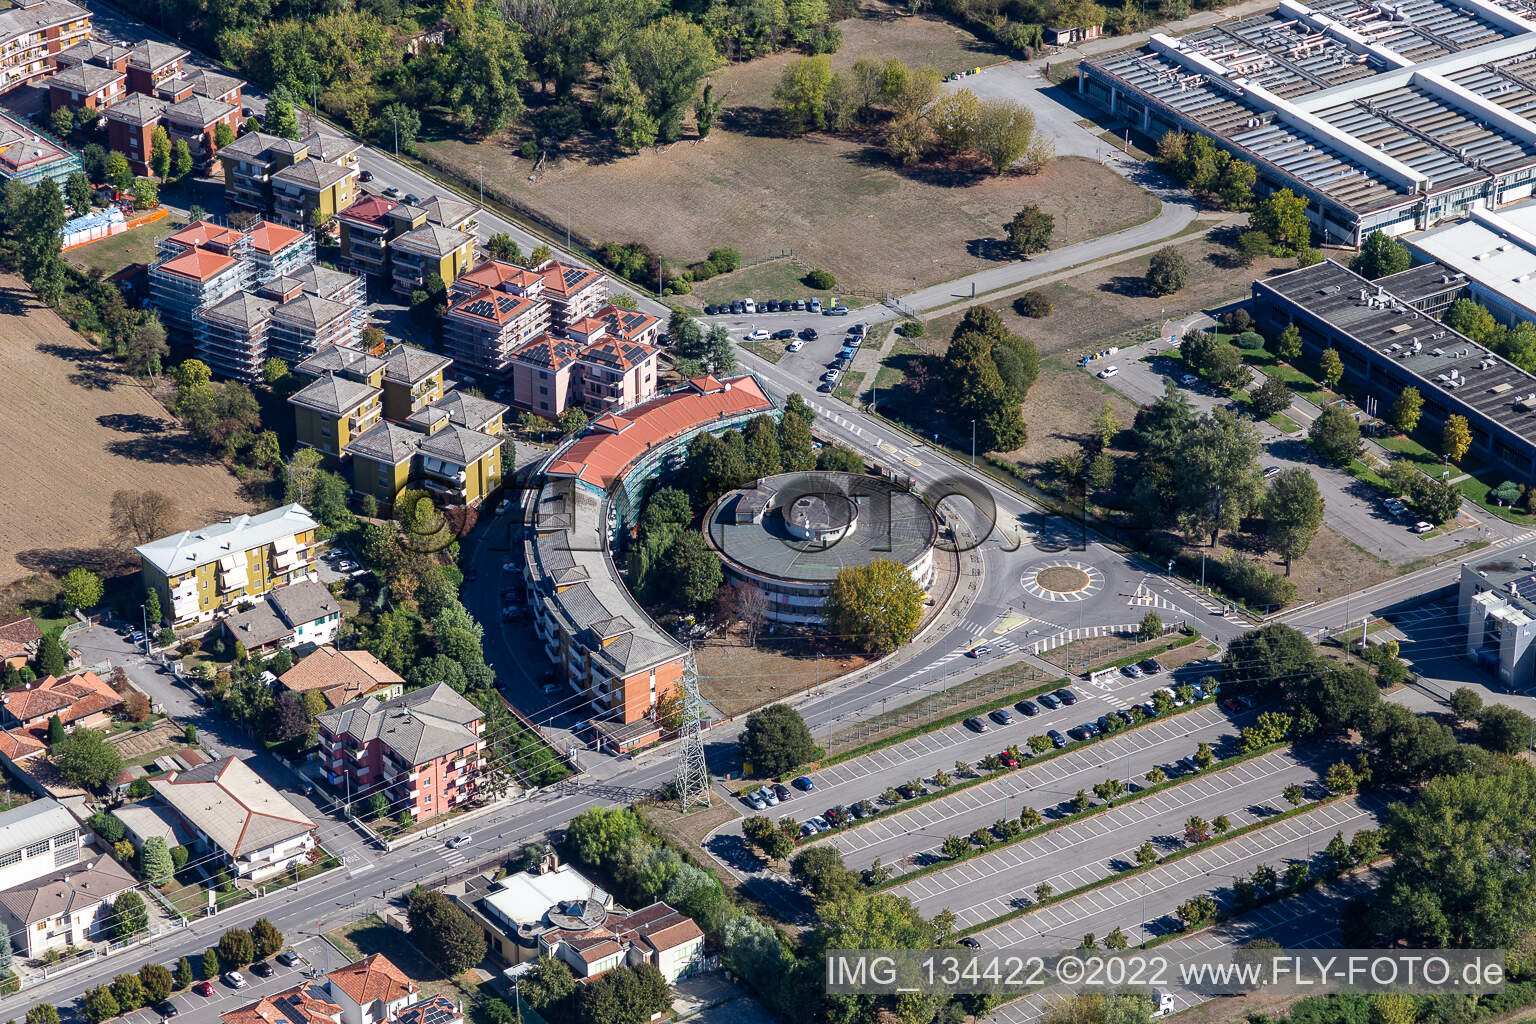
(1106, 843)
(281, 972)
(1302, 921)
(1165, 887)
(834, 307)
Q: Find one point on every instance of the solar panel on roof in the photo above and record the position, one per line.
(506, 303)
(573, 275)
(480, 307)
(433, 1013)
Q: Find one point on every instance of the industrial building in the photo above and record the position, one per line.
(1496, 607)
(1391, 115)
(1494, 253)
(1387, 344)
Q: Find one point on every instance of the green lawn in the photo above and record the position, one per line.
(772, 351)
(372, 935)
(891, 373)
(1288, 375)
(1285, 423)
(775, 279)
(851, 388)
(136, 246)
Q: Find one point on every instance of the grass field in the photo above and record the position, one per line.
(837, 202)
(115, 253)
(736, 678)
(78, 431)
(372, 935)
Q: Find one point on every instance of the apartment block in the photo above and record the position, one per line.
(278, 251)
(88, 86)
(428, 250)
(253, 163)
(370, 226)
(194, 119)
(332, 410)
(483, 329)
(151, 63)
(29, 157)
(303, 324)
(413, 380)
(33, 33)
(311, 192)
(232, 335)
(184, 284)
(130, 125)
(573, 293)
(425, 750)
(199, 572)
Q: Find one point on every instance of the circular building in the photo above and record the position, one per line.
(790, 535)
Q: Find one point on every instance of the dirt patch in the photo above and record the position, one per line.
(835, 203)
(688, 830)
(137, 744)
(78, 430)
(1062, 579)
(736, 677)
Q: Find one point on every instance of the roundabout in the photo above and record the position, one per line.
(1062, 580)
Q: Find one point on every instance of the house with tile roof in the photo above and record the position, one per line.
(278, 251)
(33, 33)
(372, 990)
(370, 225)
(293, 616)
(333, 410)
(307, 1003)
(341, 677)
(151, 63)
(198, 572)
(312, 191)
(303, 324)
(413, 380)
(131, 123)
(665, 938)
(292, 180)
(36, 839)
(239, 818)
(424, 750)
(455, 464)
(572, 292)
(184, 284)
(82, 699)
(67, 907)
(19, 637)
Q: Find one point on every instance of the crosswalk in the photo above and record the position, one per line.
(455, 858)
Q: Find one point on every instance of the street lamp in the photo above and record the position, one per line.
(144, 610)
(973, 444)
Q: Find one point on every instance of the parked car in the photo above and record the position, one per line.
(1189, 380)
(794, 346)
(1027, 708)
(234, 979)
(1079, 732)
(813, 305)
(748, 306)
(838, 310)
(1422, 527)
(825, 385)
(1056, 738)
(1006, 756)
(1050, 700)
(1108, 372)
(1067, 696)
(977, 725)
(758, 335)
(1270, 471)
(1151, 666)
(709, 310)
(799, 304)
(804, 784)
(980, 651)
(1231, 705)
(784, 335)
(261, 969)
(365, 176)
(773, 305)
(781, 791)
(858, 330)
(166, 1008)
(847, 353)
(822, 824)
(1134, 671)
(288, 958)
(1149, 709)
(769, 796)
(857, 810)
(755, 800)
(831, 375)
(203, 988)
(1001, 716)
(808, 829)
(1125, 716)
(832, 817)
(970, 943)
(809, 334)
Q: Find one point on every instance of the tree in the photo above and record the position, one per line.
(1380, 256)
(1504, 729)
(156, 979)
(146, 194)
(1167, 272)
(1252, 246)
(183, 976)
(1406, 409)
(266, 937)
(119, 174)
(236, 948)
(281, 119)
(1196, 830)
(1332, 367)
(1146, 853)
(160, 152)
(211, 965)
(1466, 703)
(598, 833)
(1003, 132)
(776, 740)
(223, 135)
(141, 516)
(1030, 230)
(397, 124)
(1288, 344)
(548, 984)
(77, 191)
(1335, 435)
(87, 760)
(955, 847)
(1269, 398)
(878, 604)
(623, 107)
(706, 110)
(51, 656)
(502, 246)
(687, 571)
(82, 589)
(63, 122)
(821, 870)
(148, 349)
(129, 915)
(954, 119)
(155, 861)
(1197, 912)
(668, 57)
(1293, 511)
(181, 159)
(99, 1004)
(443, 932)
(1456, 438)
(625, 995)
(1151, 626)
(802, 93)
(1283, 217)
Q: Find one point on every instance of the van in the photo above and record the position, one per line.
(748, 306)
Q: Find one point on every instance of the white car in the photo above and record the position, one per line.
(1108, 372)
(758, 335)
(234, 979)
(748, 306)
(830, 376)
(1422, 527)
(795, 346)
(458, 840)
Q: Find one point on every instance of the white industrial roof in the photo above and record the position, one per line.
(185, 551)
(524, 898)
(1497, 250)
(32, 823)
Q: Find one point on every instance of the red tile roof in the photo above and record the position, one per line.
(372, 978)
(566, 281)
(22, 629)
(616, 441)
(18, 743)
(198, 264)
(494, 273)
(368, 210)
(268, 238)
(491, 306)
(71, 698)
(204, 233)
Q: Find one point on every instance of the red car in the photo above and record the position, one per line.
(1231, 705)
(1008, 759)
(203, 988)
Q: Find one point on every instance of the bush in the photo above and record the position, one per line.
(821, 280)
(1033, 305)
(529, 150)
(911, 329)
(1251, 341)
(1253, 584)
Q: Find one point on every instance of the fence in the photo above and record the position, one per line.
(938, 705)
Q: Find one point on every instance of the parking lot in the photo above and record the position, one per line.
(198, 1009)
(992, 884)
(1143, 905)
(1047, 787)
